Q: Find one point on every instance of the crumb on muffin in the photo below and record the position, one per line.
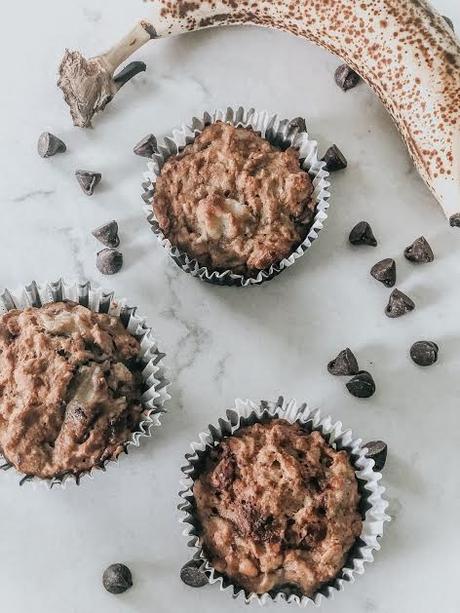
(233, 201)
(70, 388)
(277, 505)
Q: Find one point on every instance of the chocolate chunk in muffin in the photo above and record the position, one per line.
(70, 388)
(234, 201)
(276, 506)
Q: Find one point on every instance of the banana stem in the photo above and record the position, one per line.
(89, 85)
(142, 33)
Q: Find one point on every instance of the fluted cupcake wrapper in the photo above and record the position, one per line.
(373, 505)
(99, 301)
(283, 133)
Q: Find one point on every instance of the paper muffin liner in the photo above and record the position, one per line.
(372, 504)
(281, 133)
(153, 374)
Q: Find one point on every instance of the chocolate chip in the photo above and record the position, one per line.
(398, 304)
(344, 364)
(48, 145)
(299, 123)
(334, 158)
(193, 574)
(419, 252)
(377, 451)
(449, 22)
(454, 220)
(362, 234)
(117, 578)
(346, 78)
(88, 180)
(424, 353)
(224, 472)
(109, 261)
(77, 413)
(146, 147)
(385, 272)
(107, 234)
(361, 385)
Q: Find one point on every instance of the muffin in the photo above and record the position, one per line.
(277, 506)
(70, 389)
(233, 201)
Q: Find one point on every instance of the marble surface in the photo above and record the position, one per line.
(227, 343)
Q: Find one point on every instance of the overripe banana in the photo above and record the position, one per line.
(405, 51)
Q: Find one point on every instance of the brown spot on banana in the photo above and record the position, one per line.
(403, 49)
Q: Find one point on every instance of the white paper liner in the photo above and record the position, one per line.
(278, 132)
(99, 301)
(373, 504)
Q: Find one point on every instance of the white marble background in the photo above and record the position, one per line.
(224, 343)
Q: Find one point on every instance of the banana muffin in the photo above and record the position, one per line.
(277, 506)
(233, 201)
(70, 388)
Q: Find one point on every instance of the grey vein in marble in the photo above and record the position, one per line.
(221, 369)
(195, 339)
(37, 193)
(184, 82)
(75, 248)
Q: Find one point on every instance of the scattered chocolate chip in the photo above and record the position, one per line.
(361, 385)
(449, 22)
(299, 123)
(398, 304)
(454, 220)
(346, 78)
(193, 574)
(107, 234)
(377, 451)
(117, 578)
(109, 261)
(419, 252)
(385, 272)
(146, 147)
(362, 234)
(424, 353)
(334, 158)
(88, 180)
(344, 364)
(48, 145)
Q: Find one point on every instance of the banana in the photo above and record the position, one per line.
(403, 49)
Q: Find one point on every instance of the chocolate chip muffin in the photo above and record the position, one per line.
(233, 201)
(277, 506)
(70, 388)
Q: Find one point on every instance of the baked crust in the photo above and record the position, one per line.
(277, 506)
(234, 201)
(70, 388)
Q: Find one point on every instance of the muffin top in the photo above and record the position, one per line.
(70, 388)
(234, 201)
(277, 506)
